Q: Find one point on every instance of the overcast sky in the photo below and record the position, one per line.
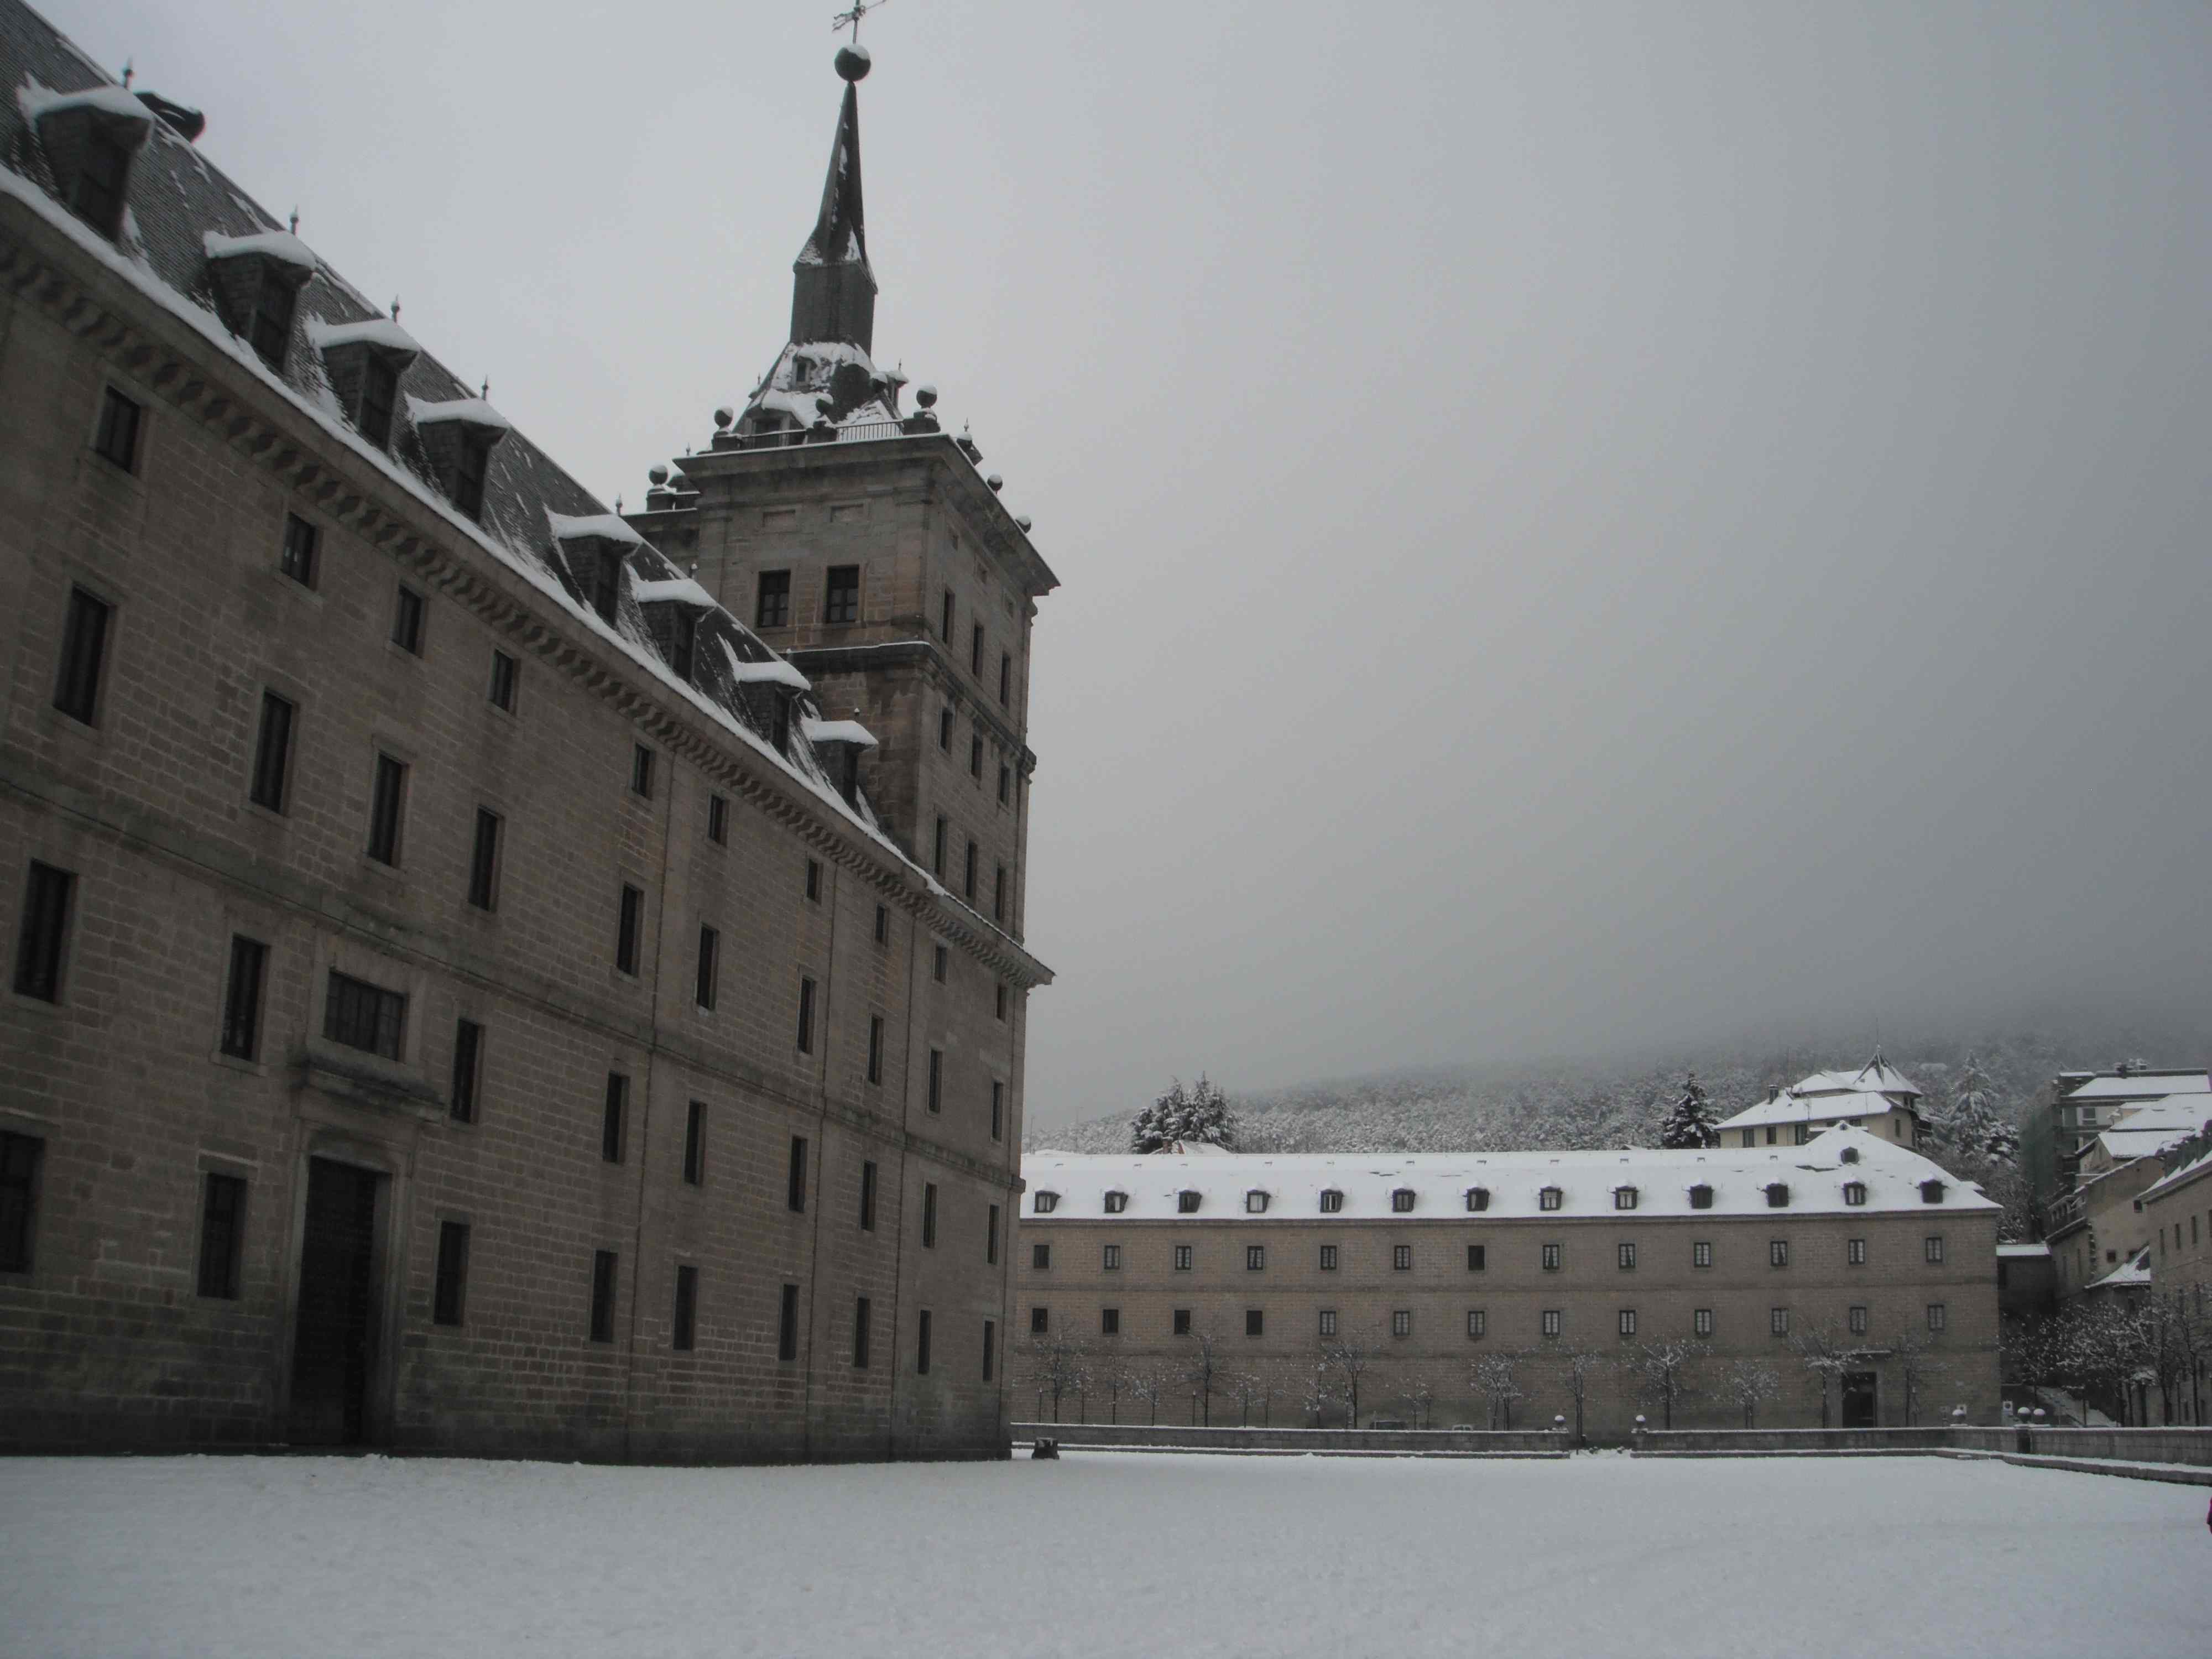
(1578, 525)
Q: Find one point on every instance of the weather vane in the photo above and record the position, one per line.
(852, 18)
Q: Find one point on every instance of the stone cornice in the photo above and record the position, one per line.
(40, 265)
(813, 659)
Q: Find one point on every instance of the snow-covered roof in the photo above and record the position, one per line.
(372, 331)
(587, 526)
(471, 412)
(2181, 1177)
(278, 244)
(37, 102)
(1791, 1107)
(837, 732)
(1815, 1173)
(2143, 1086)
(1877, 1076)
(2017, 1251)
(678, 590)
(774, 672)
(2185, 1112)
(2134, 1271)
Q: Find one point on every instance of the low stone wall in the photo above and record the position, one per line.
(2175, 1445)
(1707, 1442)
(1404, 1443)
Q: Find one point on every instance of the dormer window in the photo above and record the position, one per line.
(379, 396)
(1624, 1198)
(1701, 1197)
(1186, 1202)
(1116, 1202)
(471, 460)
(257, 280)
(1045, 1203)
(682, 641)
(1778, 1195)
(1931, 1192)
(1331, 1201)
(1255, 1202)
(458, 436)
(1478, 1198)
(1401, 1201)
(1849, 1155)
(1550, 1198)
(1855, 1193)
(607, 585)
(89, 138)
(103, 174)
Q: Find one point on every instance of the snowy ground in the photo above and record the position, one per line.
(1100, 1553)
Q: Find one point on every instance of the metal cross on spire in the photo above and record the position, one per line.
(852, 18)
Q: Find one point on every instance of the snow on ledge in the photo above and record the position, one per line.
(838, 731)
(774, 672)
(376, 332)
(680, 590)
(37, 102)
(605, 526)
(278, 244)
(471, 412)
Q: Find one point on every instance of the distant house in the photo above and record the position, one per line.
(1877, 1097)
(2074, 1107)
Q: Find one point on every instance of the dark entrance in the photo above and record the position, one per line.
(1858, 1400)
(334, 1346)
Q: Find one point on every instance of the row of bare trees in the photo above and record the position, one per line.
(2110, 1349)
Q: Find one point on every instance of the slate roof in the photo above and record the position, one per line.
(1790, 1107)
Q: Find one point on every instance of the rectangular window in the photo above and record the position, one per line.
(1859, 1320)
(683, 644)
(387, 797)
(1628, 1321)
(990, 1347)
(641, 771)
(1402, 1321)
(868, 1196)
(1855, 1252)
(296, 557)
(875, 1047)
(936, 1079)
(1110, 1258)
(1401, 1258)
(861, 1321)
(1777, 1252)
(786, 1324)
(627, 929)
(1328, 1322)
(1552, 1257)
(471, 463)
(1006, 675)
(991, 1237)
(1255, 1321)
(710, 949)
(379, 395)
(772, 609)
(946, 625)
(1183, 1258)
(484, 861)
(841, 602)
(1701, 1322)
(998, 1001)
(607, 586)
(1701, 1253)
(468, 1070)
(998, 1109)
(407, 620)
(1039, 1257)
(363, 1016)
(1179, 1321)
(975, 650)
(117, 440)
(968, 884)
(1625, 1254)
(222, 1231)
(84, 648)
(999, 893)
(1551, 1321)
(449, 1288)
(928, 1215)
(975, 756)
(272, 750)
(883, 925)
(814, 881)
(718, 820)
(1478, 1324)
(941, 962)
(1938, 1316)
(1328, 1258)
(795, 1196)
(683, 1332)
(1040, 1321)
(1932, 1249)
(937, 851)
(1255, 1258)
(242, 998)
(694, 1143)
(921, 1344)
(1778, 1321)
(1109, 1321)
(19, 1155)
(944, 728)
(604, 1265)
(614, 1110)
(506, 672)
(1477, 1257)
(1005, 781)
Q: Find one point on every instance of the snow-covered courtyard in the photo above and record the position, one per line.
(1100, 1553)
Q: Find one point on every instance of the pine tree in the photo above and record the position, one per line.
(1690, 1123)
(1976, 1124)
(1207, 1117)
(1165, 1120)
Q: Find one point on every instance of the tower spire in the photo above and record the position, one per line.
(833, 291)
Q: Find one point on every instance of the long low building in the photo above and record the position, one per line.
(1849, 1280)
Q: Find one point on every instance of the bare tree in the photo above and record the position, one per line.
(1147, 1381)
(1662, 1366)
(1350, 1362)
(1248, 1390)
(1421, 1399)
(1824, 1356)
(1203, 1369)
(1580, 1366)
(1494, 1380)
(1748, 1383)
(1115, 1380)
(1320, 1394)
(1915, 1369)
(1056, 1368)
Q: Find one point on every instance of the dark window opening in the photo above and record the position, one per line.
(386, 796)
(868, 1196)
(362, 1016)
(297, 558)
(471, 463)
(222, 1234)
(1478, 1258)
(937, 851)
(814, 881)
(991, 1347)
(1006, 675)
(1006, 781)
(936, 1079)
(842, 600)
(683, 1334)
(241, 999)
(603, 1264)
(407, 621)
(614, 1110)
(20, 1158)
(945, 730)
(484, 861)
(967, 881)
(998, 1111)
(272, 748)
(991, 1238)
(998, 1001)
(945, 627)
(468, 1070)
(379, 396)
(626, 930)
(883, 925)
(795, 1190)
(718, 820)
(452, 1273)
(641, 771)
(805, 1016)
(861, 1311)
(694, 1144)
(875, 1047)
(103, 173)
(117, 440)
(772, 605)
(710, 943)
(84, 648)
(975, 756)
(928, 1215)
(939, 959)
(268, 330)
(922, 1345)
(683, 643)
(607, 586)
(975, 650)
(999, 894)
(1040, 1321)
(787, 1325)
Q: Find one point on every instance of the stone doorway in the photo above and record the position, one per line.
(1859, 1399)
(334, 1346)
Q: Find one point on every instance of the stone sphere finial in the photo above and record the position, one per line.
(926, 395)
(854, 62)
(658, 474)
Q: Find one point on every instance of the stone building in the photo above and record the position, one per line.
(470, 990)
(1851, 1250)
(2075, 1107)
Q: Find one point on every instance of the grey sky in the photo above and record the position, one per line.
(1579, 523)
